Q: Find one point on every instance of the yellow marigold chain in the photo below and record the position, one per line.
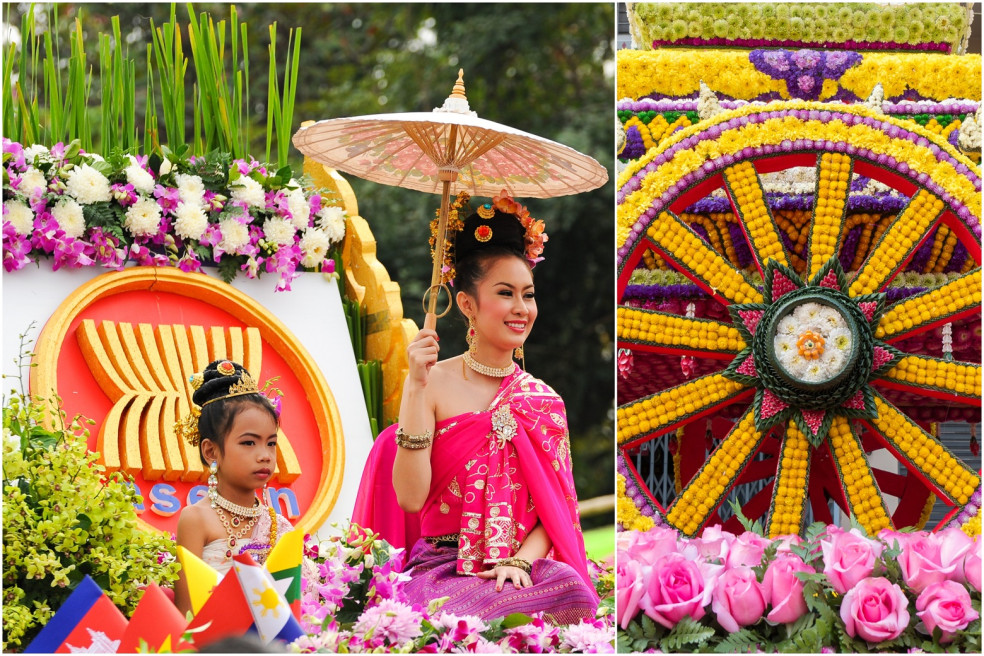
(682, 245)
(959, 378)
(898, 241)
(826, 229)
(655, 414)
(729, 245)
(869, 235)
(936, 249)
(947, 472)
(705, 490)
(745, 189)
(860, 487)
(673, 331)
(789, 494)
(710, 225)
(955, 296)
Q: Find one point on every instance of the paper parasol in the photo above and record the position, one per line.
(430, 151)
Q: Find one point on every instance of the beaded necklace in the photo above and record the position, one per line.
(494, 372)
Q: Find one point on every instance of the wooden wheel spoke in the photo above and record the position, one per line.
(679, 244)
(748, 201)
(916, 314)
(662, 332)
(829, 210)
(860, 487)
(925, 375)
(666, 410)
(898, 243)
(923, 455)
(703, 494)
(792, 479)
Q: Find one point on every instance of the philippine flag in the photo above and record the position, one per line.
(246, 602)
(88, 622)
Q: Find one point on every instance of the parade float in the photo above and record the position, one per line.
(133, 257)
(799, 287)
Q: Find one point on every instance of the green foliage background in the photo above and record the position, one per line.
(543, 68)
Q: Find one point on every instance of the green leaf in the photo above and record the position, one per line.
(229, 267)
(687, 631)
(740, 642)
(513, 620)
(83, 522)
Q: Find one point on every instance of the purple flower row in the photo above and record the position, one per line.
(882, 203)
(792, 43)
(689, 104)
(710, 167)
(637, 495)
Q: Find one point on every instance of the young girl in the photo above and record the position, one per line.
(476, 480)
(236, 434)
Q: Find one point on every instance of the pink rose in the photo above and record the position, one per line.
(922, 561)
(954, 547)
(675, 590)
(972, 565)
(738, 599)
(848, 557)
(714, 542)
(875, 609)
(945, 605)
(649, 546)
(747, 550)
(787, 541)
(783, 590)
(630, 587)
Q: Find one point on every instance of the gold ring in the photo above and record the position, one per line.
(427, 294)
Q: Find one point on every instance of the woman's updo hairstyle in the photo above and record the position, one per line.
(482, 241)
(224, 389)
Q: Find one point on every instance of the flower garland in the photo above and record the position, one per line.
(940, 27)
(83, 210)
(454, 226)
(906, 78)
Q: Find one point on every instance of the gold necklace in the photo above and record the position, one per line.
(494, 372)
(236, 509)
(232, 528)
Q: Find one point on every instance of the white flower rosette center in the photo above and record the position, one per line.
(806, 358)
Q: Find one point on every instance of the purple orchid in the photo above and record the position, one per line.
(105, 250)
(16, 249)
(190, 263)
(70, 253)
(124, 193)
(167, 198)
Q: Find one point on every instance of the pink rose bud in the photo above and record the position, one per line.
(738, 599)
(875, 609)
(783, 590)
(675, 590)
(945, 605)
(747, 550)
(848, 557)
(922, 563)
(630, 586)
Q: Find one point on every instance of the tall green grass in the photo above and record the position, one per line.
(47, 97)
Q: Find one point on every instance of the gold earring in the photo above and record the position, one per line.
(521, 356)
(471, 336)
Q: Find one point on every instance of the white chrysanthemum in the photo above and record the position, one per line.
(87, 185)
(787, 325)
(69, 216)
(829, 319)
(190, 221)
(20, 216)
(37, 153)
(279, 231)
(785, 344)
(331, 219)
(141, 179)
(840, 339)
(32, 182)
(190, 188)
(235, 235)
(300, 210)
(143, 218)
(249, 191)
(314, 246)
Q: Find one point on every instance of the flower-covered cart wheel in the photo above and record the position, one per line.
(805, 359)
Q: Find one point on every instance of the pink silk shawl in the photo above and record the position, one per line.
(526, 419)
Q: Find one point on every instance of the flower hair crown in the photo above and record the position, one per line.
(534, 236)
(187, 428)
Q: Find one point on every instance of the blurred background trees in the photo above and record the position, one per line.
(547, 69)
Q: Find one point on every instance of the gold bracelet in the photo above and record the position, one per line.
(516, 561)
(413, 442)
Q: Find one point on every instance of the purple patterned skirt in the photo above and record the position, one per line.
(557, 590)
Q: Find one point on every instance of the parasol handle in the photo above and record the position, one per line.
(430, 321)
(447, 177)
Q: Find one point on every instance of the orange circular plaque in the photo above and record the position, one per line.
(120, 351)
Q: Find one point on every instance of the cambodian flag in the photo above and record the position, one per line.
(87, 622)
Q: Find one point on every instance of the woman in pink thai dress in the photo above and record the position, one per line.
(476, 480)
